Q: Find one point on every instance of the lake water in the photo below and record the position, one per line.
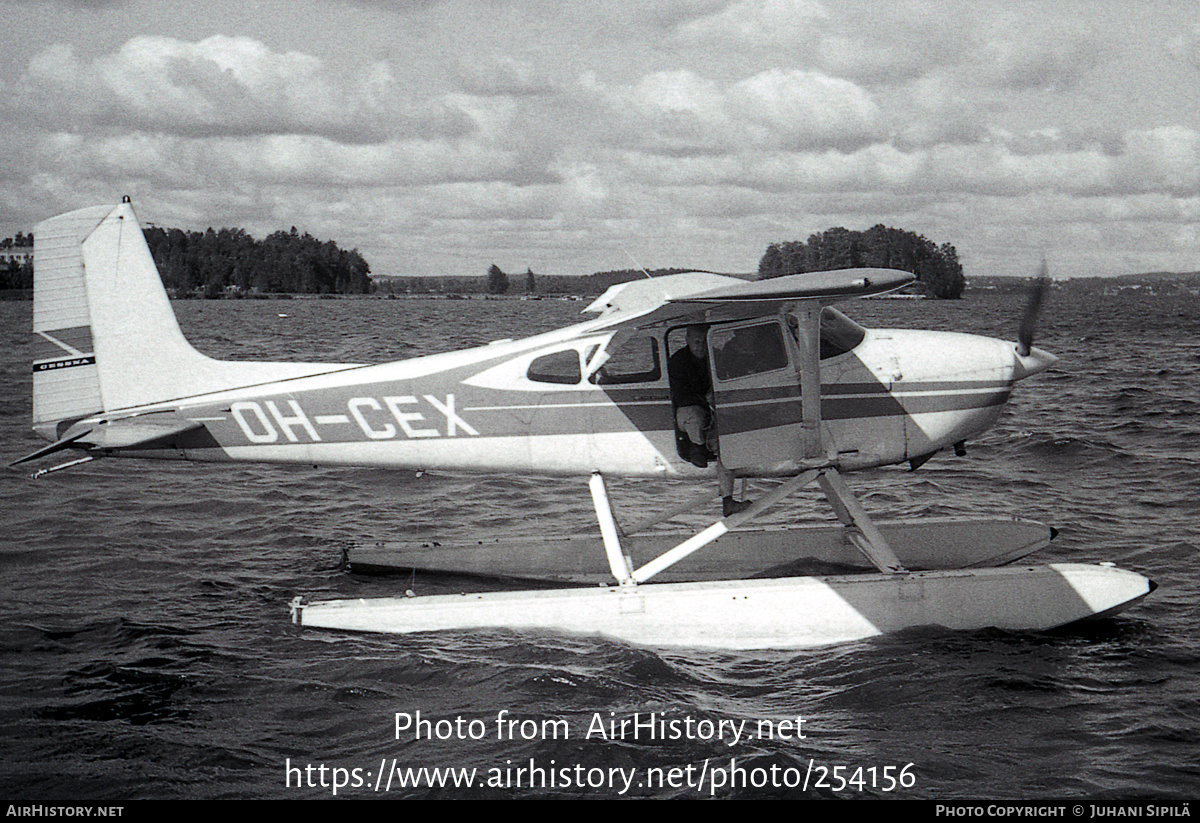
(149, 653)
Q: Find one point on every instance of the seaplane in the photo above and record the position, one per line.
(798, 394)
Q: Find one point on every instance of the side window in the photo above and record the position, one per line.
(748, 350)
(559, 367)
(635, 362)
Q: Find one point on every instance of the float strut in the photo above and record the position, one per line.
(863, 533)
(655, 519)
(699, 541)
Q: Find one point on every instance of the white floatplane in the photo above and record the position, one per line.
(818, 396)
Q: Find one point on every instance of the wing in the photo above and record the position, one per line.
(707, 297)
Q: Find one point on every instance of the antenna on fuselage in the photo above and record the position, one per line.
(636, 264)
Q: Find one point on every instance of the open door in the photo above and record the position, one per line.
(756, 388)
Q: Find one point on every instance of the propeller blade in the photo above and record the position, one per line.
(1037, 295)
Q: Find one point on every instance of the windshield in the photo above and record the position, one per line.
(839, 334)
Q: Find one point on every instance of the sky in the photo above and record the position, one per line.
(441, 136)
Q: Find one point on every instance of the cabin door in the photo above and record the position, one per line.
(756, 389)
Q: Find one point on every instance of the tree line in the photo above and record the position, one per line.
(216, 262)
(939, 274)
(497, 281)
(16, 274)
(230, 260)
(21, 241)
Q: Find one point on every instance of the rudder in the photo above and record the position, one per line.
(66, 381)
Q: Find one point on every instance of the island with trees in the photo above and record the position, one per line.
(230, 261)
(938, 271)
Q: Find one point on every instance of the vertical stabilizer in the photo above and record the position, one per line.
(141, 354)
(105, 335)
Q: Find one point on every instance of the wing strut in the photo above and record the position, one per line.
(860, 530)
(808, 315)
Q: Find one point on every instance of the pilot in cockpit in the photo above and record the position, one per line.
(692, 397)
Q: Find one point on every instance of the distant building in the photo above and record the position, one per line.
(16, 255)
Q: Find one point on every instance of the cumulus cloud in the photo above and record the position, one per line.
(873, 61)
(503, 74)
(1165, 159)
(701, 121)
(800, 108)
(232, 162)
(681, 112)
(222, 86)
(1007, 166)
(759, 23)
(1186, 46)
(1040, 63)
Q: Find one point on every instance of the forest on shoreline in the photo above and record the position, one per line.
(229, 263)
(939, 274)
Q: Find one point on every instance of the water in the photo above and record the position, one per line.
(148, 651)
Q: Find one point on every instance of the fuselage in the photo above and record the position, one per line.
(543, 406)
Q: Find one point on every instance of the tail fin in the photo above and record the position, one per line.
(105, 336)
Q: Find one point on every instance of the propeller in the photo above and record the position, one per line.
(1033, 308)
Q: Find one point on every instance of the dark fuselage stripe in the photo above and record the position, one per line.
(404, 411)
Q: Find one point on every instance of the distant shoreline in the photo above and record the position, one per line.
(1158, 283)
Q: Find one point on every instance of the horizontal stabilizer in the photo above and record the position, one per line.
(57, 446)
(133, 432)
(127, 433)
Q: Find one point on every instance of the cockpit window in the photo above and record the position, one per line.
(635, 362)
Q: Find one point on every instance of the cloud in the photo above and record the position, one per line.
(1186, 46)
(680, 112)
(1165, 159)
(759, 23)
(799, 108)
(83, 4)
(1161, 161)
(221, 86)
(239, 162)
(707, 123)
(503, 74)
(1057, 63)
(875, 62)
